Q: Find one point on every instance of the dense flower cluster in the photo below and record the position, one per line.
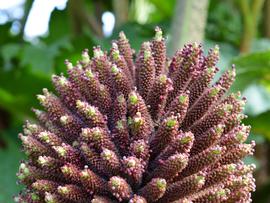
(153, 129)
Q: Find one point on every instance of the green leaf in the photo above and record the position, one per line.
(166, 7)
(39, 58)
(18, 90)
(260, 45)
(59, 26)
(257, 100)
(10, 157)
(260, 124)
(8, 52)
(252, 68)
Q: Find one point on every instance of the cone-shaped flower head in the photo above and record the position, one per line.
(138, 129)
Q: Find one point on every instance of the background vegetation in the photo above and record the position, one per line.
(240, 27)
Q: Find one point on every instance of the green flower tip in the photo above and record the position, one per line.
(61, 151)
(84, 174)
(219, 129)
(43, 161)
(65, 169)
(216, 50)
(98, 52)
(115, 182)
(85, 57)
(210, 70)
(89, 73)
(49, 198)
(106, 154)
(200, 179)
(79, 104)
(140, 148)
(232, 73)
(137, 121)
(114, 69)
(187, 138)
(62, 81)
(23, 171)
(96, 135)
(158, 35)
(216, 150)
(91, 111)
(32, 127)
(115, 51)
(69, 65)
(222, 192)
(231, 167)
(131, 163)
(75, 143)
(240, 137)
(41, 98)
(35, 197)
(226, 109)
(133, 98)
(44, 136)
(214, 91)
(163, 79)
(63, 190)
(121, 98)
(182, 99)
(147, 50)
(171, 122)
(64, 119)
(122, 35)
(119, 125)
(180, 158)
(161, 184)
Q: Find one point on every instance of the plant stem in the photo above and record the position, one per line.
(120, 8)
(188, 23)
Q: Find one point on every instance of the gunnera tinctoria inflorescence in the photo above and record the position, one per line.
(153, 129)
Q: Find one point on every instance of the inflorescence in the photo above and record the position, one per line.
(150, 129)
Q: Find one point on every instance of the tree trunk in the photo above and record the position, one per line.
(120, 8)
(81, 17)
(188, 24)
(267, 19)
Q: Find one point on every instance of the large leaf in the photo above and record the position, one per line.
(8, 52)
(253, 72)
(260, 124)
(253, 68)
(10, 157)
(258, 99)
(18, 88)
(39, 58)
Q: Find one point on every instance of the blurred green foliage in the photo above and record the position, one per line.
(26, 68)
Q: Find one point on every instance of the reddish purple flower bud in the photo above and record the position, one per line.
(157, 98)
(134, 168)
(126, 51)
(184, 187)
(119, 188)
(154, 190)
(159, 51)
(146, 72)
(167, 130)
